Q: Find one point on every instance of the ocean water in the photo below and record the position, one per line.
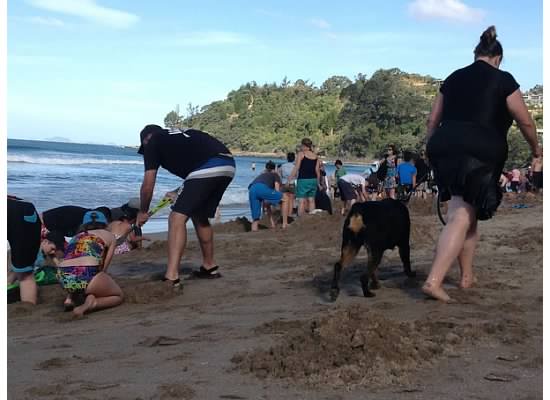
(53, 174)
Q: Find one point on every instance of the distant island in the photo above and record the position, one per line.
(58, 139)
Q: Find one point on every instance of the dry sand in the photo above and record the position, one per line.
(266, 330)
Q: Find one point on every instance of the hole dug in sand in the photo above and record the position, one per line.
(354, 347)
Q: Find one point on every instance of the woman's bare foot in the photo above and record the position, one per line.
(436, 292)
(88, 305)
(68, 304)
(467, 282)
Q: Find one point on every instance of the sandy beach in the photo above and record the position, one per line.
(266, 329)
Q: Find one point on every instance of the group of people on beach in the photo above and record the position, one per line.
(304, 178)
(522, 180)
(465, 144)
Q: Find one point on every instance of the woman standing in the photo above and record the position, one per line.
(308, 170)
(390, 182)
(467, 148)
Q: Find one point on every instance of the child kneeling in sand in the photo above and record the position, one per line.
(83, 271)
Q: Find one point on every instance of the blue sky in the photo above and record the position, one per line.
(98, 71)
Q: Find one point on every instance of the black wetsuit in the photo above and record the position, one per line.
(23, 228)
(468, 150)
(67, 219)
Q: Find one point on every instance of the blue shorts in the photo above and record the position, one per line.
(259, 192)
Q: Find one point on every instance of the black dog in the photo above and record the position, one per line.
(378, 225)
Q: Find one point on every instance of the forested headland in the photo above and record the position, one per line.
(344, 118)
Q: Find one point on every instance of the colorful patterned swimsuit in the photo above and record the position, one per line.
(77, 278)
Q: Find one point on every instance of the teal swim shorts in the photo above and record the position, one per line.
(306, 188)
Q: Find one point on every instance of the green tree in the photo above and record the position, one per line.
(173, 120)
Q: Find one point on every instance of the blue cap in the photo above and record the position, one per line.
(94, 216)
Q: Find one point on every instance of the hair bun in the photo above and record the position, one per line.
(489, 36)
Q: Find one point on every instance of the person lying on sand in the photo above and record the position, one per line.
(83, 272)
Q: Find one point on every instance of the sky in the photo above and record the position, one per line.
(97, 71)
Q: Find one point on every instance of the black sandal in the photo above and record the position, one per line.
(203, 273)
(176, 283)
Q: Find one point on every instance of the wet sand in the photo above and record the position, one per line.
(266, 330)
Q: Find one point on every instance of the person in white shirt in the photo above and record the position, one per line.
(352, 187)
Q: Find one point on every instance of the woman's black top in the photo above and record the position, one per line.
(468, 150)
(477, 94)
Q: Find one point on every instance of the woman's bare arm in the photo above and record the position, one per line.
(435, 116)
(525, 122)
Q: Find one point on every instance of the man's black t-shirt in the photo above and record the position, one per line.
(181, 153)
(65, 219)
(477, 94)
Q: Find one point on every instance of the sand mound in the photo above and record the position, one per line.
(241, 224)
(146, 292)
(356, 347)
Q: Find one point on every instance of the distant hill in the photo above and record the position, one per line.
(341, 116)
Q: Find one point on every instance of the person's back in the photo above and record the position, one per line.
(268, 178)
(308, 165)
(354, 179)
(88, 248)
(477, 94)
(285, 170)
(181, 153)
(406, 172)
(64, 219)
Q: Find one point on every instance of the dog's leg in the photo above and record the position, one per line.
(372, 264)
(405, 254)
(349, 251)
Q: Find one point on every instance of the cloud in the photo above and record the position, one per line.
(89, 10)
(45, 21)
(212, 38)
(445, 9)
(320, 23)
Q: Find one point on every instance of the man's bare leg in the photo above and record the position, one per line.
(177, 240)
(206, 241)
